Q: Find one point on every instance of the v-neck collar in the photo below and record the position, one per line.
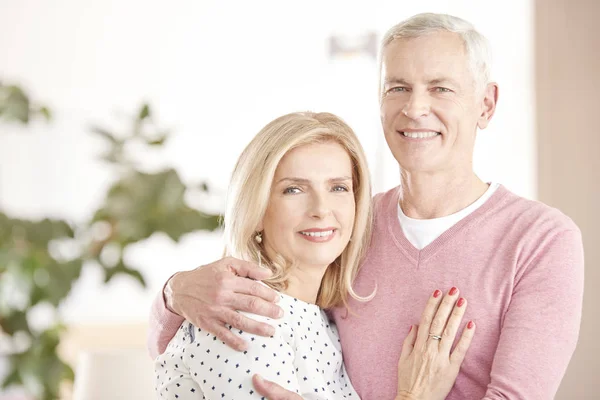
(416, 255)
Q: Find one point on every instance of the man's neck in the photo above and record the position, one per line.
(435, 195)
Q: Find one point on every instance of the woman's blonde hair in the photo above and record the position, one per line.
(250, 189)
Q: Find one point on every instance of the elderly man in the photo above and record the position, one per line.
(519, 262)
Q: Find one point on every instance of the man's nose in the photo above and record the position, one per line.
(418, 106)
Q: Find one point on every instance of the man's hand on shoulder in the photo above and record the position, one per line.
(210, 296)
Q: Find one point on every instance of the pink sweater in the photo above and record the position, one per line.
(519, 263)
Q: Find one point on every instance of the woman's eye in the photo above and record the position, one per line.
(292, 190)
(340, 188)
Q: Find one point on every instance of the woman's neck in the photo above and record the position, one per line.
(304, 283)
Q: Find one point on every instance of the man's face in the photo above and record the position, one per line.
(430, 109)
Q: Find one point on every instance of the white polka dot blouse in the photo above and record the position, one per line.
(304, 356)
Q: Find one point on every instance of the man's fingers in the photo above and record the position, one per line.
(247, 269)
(427, 317)
(257, 289)
(452, 326)
(272, 391)
(458, 355)
(223, 334)
(255, 305)
(248, 325)
(409, 342)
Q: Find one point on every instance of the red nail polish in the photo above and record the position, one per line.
(461, 301)
(453, 291)
(410, 329)
(437, 293)
(470, 325)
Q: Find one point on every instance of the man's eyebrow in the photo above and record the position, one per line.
(443, 80)
(436, 81)
(305, 181)
(395, 81)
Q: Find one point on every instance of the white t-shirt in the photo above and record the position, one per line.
(421, 232)
(304, 356)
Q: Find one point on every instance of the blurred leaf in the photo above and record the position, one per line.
(15, 322)
(112, 158)
(144, 112)
(14, 104)
(41, 233)
(41, 366)
(121, 268)
(157, 142)
(13, 378)
(62, 276)
(141, 204)
(104, 134)
(38, 233)
(45, 111)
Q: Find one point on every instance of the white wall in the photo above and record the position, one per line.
(216, 72)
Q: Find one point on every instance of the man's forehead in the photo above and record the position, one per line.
(430, 45)
(430, 60)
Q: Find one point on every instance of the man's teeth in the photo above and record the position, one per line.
(317, 234)
(419, 135)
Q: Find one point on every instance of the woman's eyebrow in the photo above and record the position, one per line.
(306, 181)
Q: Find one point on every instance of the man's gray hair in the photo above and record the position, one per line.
(476, 45)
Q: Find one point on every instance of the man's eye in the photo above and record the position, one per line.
(442, 90)
(397, 89)
(292, 190)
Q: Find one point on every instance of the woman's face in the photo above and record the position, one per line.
(310, 215)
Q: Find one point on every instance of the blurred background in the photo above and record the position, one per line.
(121, 121)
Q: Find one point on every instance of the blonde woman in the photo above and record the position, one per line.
(300, 205)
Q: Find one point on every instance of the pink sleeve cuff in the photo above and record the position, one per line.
(163, 326)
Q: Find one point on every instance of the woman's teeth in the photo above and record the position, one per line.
(318, 234)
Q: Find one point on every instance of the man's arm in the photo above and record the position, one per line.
(541, 326)
(210, 297)
(163, 326)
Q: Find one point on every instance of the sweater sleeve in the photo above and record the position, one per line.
(163, 325)
(541, 325)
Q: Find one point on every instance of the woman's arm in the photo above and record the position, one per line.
(197, 362)
(427, 369)
(174, 379)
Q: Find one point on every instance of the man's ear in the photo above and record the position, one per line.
(490, 99)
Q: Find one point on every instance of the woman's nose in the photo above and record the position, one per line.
(320, 206)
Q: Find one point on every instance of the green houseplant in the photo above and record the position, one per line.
(35, 274)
